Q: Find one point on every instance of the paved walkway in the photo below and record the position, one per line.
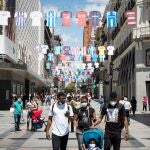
(26, 140)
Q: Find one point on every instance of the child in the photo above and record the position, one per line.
(92, 145)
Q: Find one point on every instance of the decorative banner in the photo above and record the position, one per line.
(111, 19)
(88, 58)
(94, 58)
(95, 18)
(110, 50)
(91, 50)
(57, 50)
(51, 19)
(66, 50)
(96, 65)
(20, 18)
(66, 18)
(48, 65)
(50, 56)
(4, 15)
(102, 58)
(36, 17)
(81, 15)
(44, 48)
(62, 57)
(101, 50)
(131, 18)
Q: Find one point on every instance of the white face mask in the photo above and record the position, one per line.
(113, 103)
(92, 145)
(84, 105)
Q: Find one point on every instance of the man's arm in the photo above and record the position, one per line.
(98, 121)
(49, 122)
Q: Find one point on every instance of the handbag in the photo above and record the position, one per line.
(11, 109)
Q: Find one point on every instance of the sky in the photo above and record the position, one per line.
(73, 35)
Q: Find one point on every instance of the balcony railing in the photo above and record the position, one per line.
(141, 33)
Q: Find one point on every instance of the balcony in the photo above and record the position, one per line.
(141, 33)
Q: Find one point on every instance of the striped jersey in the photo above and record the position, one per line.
(20, 18)
(50, 17)
(95, 18)
(111, 19)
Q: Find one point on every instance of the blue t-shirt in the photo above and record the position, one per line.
(18, 106)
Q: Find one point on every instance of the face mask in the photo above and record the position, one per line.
(61, 103)
(84, 105)
(92, 145)
(113, 103)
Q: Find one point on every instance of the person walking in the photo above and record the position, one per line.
(60, 114)
(133, 105)
(83, 119)
(18, 106)
(145, 101)
(115, 122)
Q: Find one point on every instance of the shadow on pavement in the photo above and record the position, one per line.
(142, 118)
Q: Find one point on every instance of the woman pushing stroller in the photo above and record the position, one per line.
(84, 118)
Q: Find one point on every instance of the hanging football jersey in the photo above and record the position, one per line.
(91, 50)
(101, 50)
(96, 65)
(95, 18)
(62, 57)
(36, 17)
(4, 15)
(94, 58)
(110, 50)
(88, 58)
(50, 56)
(20, 18)
(48, 65)
(66, 18)
(57, 50)
(44, 48)
(50, 17)
(81, 15)
(102, 58)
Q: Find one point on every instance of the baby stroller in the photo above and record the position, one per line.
(95, 135)
(37, 121)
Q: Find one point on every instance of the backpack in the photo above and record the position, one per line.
(120, 119)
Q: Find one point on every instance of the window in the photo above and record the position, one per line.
(148, 57)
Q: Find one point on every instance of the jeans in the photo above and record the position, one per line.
(59, 142)
(17, 121)
(79, 135)
(112, 139)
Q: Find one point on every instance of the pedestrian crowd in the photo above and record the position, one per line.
(66, 109)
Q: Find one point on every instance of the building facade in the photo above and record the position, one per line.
(21, 66)
(127, 70)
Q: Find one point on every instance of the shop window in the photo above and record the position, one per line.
(148, 57)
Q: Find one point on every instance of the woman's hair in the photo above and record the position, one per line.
(84, 97)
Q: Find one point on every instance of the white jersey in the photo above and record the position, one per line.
(36, 18)
(60, 124)
(4, 15)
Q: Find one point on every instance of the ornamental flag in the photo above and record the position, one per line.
(66, 18)
(51, 19)
(110, 50)
(111, 17)
(131, 18)
(4, 15)
(20, 18)
(36, 17)
(81, 15)
(101, 50)
(95, 18)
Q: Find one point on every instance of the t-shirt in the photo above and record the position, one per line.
(95, 18)
(57, 50)
(18, 106)
(114, 117)
(20, 18)
(4, 15)
(66, 18)
(36, 18)
(110, 50)
(84, 117)
(60, 124)
(94, 58)
(51, 19)
(50, 56)
(81, 15)
(101, 50)
(88, 58)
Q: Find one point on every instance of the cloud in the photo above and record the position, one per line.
(69, 39)
(98, 1)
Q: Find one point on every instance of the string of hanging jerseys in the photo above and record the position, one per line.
(95, 18)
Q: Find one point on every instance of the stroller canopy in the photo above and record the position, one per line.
(95, 134)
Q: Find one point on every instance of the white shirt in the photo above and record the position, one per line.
(36, 18)
(127, 104)
(60, 124)
(4, 15)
